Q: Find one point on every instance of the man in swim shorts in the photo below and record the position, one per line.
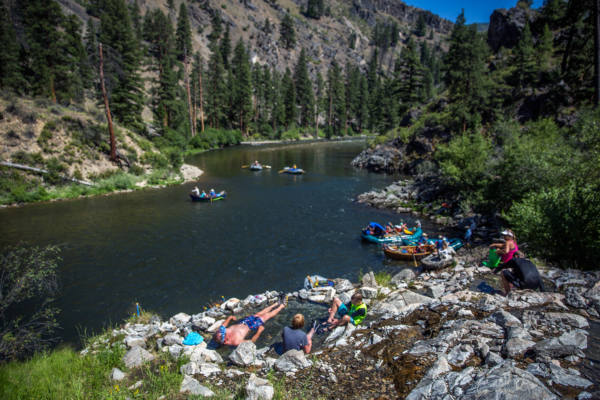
(236, 334)
(519, 273)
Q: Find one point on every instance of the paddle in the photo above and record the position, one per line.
(414, 259)
(245, 166)
(267, 166)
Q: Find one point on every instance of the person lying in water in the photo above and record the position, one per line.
(236, 334)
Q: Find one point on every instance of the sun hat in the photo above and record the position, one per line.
(507, 233)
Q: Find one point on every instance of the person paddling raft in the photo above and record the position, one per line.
(196, 191)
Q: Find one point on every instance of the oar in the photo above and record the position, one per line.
(414, 259)
(267, 166)
(245, 166)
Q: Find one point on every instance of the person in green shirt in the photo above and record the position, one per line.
(354, 312)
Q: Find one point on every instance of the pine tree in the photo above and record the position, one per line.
(352, 96)
(336, 98)
(314, 9)
(465, 70)
(91, 49)
(183, 41)
(279, 110)
(304, 93)
(544, 49)
(225, 47)
(373, 86)
(171, 5)
(217, 28)
(421, 26)
(73, 70)
(289, 98)
(10, 71)
(524, 59)
(320, 100)
(122, 64)
(408, 75)
(216, 95)
(287, 32)
(242, 87)
(136, 19)
(198, 83)
(363, 110)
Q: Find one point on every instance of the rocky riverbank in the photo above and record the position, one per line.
(432, 336)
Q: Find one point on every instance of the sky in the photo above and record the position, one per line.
(475, 11)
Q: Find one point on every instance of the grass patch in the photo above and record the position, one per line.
(383, 278)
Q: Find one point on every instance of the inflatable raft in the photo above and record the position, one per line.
(219, 196)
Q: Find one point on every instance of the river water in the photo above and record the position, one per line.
(158, 248)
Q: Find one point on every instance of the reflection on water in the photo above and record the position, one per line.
(158, 248)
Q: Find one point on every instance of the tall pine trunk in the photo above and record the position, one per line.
(113, 144)
(189, 95)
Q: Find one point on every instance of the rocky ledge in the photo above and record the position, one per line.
(431, 336)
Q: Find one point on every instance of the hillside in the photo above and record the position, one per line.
(325, 39)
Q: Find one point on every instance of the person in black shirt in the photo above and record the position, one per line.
(519, 273)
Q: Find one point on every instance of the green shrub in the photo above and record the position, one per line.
(156, 160)
(291, 134)
(174, 156)
(55, 171)
(136, 170)
(120, 181)
(561, 223)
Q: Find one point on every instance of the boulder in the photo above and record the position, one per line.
(180, 319)
(259, 389)
(436, 291)
(369, 279)
(208, 369)
(569, 343)
(343, 285)
(191, 386)
(117, 375)
(190, 369)
(244, 355)
(136, 357)
(292, 361)
(201, 355)
(172, 338)
(460, 354)
(368, 292)
(563, 377)
(505, 319)
(175, 350)
(507, 382)
(406, 275)
(516, 347)
(203, 321)
(134, 341)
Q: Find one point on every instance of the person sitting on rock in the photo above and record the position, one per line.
(236, 334)
(294, 337)
(519, 273)
(354, 312)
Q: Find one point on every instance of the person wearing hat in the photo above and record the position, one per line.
(506, 250)
(196, 191)
(212, 193)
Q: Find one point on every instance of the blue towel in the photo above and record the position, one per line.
(193, 338)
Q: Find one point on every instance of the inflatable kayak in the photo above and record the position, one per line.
(219, 196)
(255, 167)
(293, 171)
(313, 281)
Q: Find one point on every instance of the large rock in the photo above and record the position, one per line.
(191, 386)
(369, 279)
(565, 378)
(172, 338)
(506, 27)
(343, 285)
(259, 389)
(507, 382)
(368, 292)
(383, 158)
(292, 361)
(569, 343)
(244, 354)
(459, 355)
(406, 275)
(399, 301)
(208, 369)
(201, 355)
(136, 357)
(117, 375)
(505, 319)
(135, 341)
(180, 319)
(203, 321)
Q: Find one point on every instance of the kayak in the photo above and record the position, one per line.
(293, 171)
(407, 253)
(219, 196)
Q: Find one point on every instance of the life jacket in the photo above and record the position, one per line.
(356, 310)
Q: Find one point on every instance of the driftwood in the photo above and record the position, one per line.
(41, 171)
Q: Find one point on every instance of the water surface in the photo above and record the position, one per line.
(158, 248)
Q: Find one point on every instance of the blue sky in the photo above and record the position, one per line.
(475, 11)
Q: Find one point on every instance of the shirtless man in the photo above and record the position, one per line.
(236, 334)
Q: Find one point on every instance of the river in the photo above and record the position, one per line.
(158, 248)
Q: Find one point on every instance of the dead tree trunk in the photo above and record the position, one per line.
(201, 100)
(113, 144)
(189, 95)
